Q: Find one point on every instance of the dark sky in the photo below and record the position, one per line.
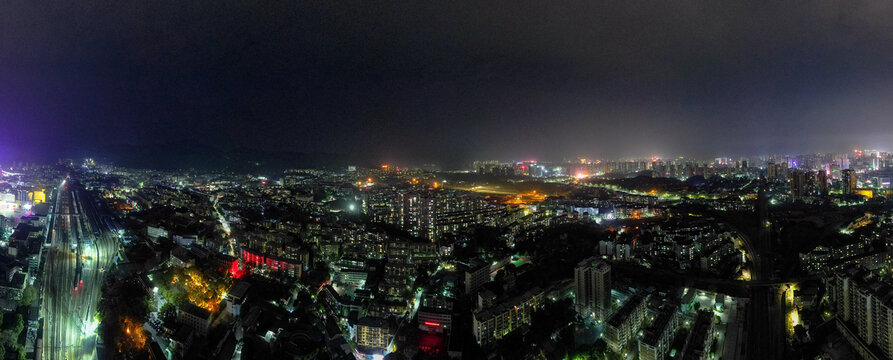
(453, 81)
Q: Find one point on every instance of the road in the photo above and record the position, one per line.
(80, 249)
(226, 227)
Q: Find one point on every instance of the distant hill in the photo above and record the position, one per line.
(184, 155)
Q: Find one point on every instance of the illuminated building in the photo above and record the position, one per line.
(430, 213)
(494, 168)
(494, 323)
(156, 232)
(419, 214)
(352, 277)
(185, 240)
(655, 344)
(38, 197)
(625, 323)
(288, 266)
(455, 221)
(864, 313)
(372, 333)
(867, 193)
(592, 285)
(815, 259)
(798, 184)
(434, 319)
(848, 181)
(776, 172)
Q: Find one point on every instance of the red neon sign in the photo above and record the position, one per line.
(429, 323)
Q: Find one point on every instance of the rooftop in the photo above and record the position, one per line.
(626, 310)
(510, 303)
(372, 322)
(659, 326)
(239, 289)
(196, 311)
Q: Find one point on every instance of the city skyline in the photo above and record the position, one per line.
(583, 259)
(385, 180)
(164, 157)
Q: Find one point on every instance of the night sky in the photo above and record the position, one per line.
(450, 82)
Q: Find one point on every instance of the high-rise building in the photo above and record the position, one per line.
(419, 214)
(776, 172)
(848, 181)
(625, 323)
(592, 283)
(821, 180)
(864, 313)
(799, 185)
(655, 344)
(835, 171)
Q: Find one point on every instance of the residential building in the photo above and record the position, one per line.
(494, 323)
(477, 274)
(623, 325)
(592, 285)
(372, 333)
(655, 344)
(864, 311)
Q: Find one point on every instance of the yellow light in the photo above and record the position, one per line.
(38, 196)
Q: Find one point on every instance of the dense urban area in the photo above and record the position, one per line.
(757, 258)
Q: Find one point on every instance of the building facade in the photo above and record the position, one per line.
(592, 285)
(494, 323)
(864, 304)
(372, 332)
(625, 323)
